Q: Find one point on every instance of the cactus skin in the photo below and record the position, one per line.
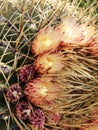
(21, 21)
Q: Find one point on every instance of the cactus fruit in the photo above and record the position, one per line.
(48, 64)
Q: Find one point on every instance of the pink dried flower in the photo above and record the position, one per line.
(49, 63)
(23, 110)
(47, 40)
(38, 119)
(90, 48)
(14, 93)
(42, 91)
(26, 73)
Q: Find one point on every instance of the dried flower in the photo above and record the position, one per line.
(51, 63)
(42, 91)
(26, 73)
(23, 110)
(37, 119)
(14, 93)
(47, 40)
(52, 117)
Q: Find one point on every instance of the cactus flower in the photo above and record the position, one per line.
(49, 63)
(47, 40)
(42, 91)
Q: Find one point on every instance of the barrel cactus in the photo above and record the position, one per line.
(48, 64)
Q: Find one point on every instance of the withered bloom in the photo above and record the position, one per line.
(37, 119)
(23, 110)
(26, 73)
(14, 93)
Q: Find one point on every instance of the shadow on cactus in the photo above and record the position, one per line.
(48, 65)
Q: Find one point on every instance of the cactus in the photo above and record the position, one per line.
(48, 64)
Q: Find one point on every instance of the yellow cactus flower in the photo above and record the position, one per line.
(47, 39)
(42, 91)
(49, 63)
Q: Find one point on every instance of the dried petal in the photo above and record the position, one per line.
(38, 119)
(14, 93)
(23, 110)
(26, 73)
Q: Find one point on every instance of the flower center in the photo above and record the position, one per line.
(46, 42)
(27, 111)
(15, 93)
(48, 63)
(43, 91)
